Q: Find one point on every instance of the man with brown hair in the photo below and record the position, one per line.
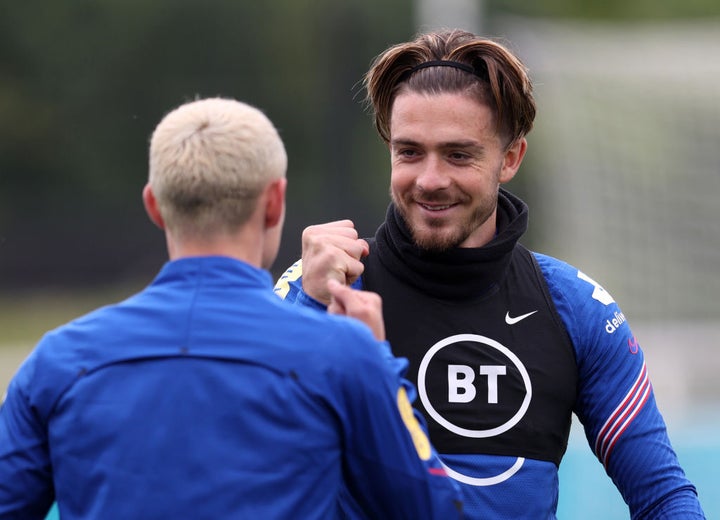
(504, 344)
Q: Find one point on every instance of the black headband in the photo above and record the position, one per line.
(443, 63)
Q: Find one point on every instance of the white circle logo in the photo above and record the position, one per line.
(464, 432)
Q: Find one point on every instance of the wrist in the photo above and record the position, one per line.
(308, 301)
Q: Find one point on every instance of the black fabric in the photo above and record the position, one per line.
(460, 273)
(480, 70)
(447, 312)
(443, 63)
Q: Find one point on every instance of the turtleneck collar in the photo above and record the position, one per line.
(459, 273)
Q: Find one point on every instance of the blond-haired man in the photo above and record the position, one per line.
(204, 396)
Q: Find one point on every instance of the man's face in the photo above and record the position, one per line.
(447, 167)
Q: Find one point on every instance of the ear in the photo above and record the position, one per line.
(151, 207)
(512, 160)
(275, 202)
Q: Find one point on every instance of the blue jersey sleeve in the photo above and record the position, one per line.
(289, 288)
(389, 454)
(392, 470)
(615, 401)
(26, 489)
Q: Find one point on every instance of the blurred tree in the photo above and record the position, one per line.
(643, 10)
(84, 83)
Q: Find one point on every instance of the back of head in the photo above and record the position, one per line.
(209, 161)
(497, 78)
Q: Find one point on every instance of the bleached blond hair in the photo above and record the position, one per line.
(209, 161)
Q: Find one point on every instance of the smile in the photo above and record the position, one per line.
(436, 208)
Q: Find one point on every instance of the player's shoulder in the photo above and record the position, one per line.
(55, 362)
(568, 281)
(312, 324)
(332, 352)
(331, 330)
(553, 267)
(590, 314)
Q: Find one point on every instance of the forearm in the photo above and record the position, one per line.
(681, 504)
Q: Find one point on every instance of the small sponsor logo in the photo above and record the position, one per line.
(512, 320)
(612, 324)
(633, 345)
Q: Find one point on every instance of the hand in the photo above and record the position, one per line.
(365, 306)
(331, 251)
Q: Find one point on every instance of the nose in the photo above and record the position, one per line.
(432, 175)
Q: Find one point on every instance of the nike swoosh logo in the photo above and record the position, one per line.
(512, 321)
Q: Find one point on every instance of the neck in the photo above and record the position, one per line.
(243, 245)
(458, 273)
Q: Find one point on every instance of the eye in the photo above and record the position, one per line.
(459, 156)
(406, 153)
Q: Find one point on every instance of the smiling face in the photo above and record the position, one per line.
(448, 163)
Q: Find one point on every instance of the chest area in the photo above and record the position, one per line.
(491, 372)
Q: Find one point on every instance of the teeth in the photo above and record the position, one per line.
(436, 208)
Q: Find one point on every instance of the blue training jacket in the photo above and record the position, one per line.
(205, 396)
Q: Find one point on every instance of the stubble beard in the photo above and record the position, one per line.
(436, 237)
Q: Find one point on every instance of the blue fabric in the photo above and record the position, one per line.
(614, 401)
(206, 396)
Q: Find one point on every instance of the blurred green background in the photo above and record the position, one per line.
(622, 173)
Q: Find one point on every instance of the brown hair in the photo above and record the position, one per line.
(500, 80)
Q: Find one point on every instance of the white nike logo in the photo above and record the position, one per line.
(516, 319)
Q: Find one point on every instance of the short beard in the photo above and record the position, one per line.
(443, 241)
(435, 242)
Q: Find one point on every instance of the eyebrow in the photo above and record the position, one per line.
(465, 144)
(407, 142)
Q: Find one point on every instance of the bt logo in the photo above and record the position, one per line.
(462, 390)
(463, 385)
(461, 378)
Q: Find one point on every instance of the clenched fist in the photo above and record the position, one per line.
(331, 251)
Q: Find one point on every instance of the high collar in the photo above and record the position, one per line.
(459, 273)
(214, 270)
